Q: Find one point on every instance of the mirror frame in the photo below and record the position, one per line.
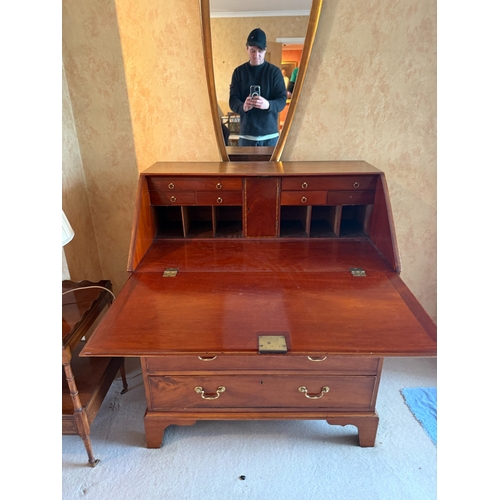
(206, 33)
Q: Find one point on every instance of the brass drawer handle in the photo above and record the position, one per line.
(207, 358)
(218, 185)
(356, 185)
(305, 185)
(316, 359)
(219, 200)
(201, 391)
(171, 185)
(303, 199)
(173, 199)
(324, 390)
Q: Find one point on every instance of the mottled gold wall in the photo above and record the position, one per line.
(229, 38)
(75, 199)
(166, 82)
(93, 63)
(136, 86)
(370, 94)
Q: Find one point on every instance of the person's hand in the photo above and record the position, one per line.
(260, 103)
(248, 104)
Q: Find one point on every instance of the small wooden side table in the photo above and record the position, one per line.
(82, 303)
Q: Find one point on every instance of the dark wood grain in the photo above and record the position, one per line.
(261, 207)
(269, 255)
(323, 312)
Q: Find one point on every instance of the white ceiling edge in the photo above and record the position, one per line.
(291, 40)
(267, 13)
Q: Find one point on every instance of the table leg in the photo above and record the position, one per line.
(79, 413)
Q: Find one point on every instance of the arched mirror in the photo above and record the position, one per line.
(290, 26)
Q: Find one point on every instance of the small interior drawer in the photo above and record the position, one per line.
(263, 362)
(219, 198)
(260, 391)
(351, 197)
(194, 183)
(303, 198)
(162, 198)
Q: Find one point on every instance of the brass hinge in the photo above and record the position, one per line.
(170, 272)
(357, 271)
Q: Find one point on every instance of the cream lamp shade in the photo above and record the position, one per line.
(67, 230)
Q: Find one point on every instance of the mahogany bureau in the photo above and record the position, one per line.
(263, 290)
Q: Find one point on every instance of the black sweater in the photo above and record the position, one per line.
(258, 122)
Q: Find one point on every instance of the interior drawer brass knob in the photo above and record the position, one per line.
(324, 390)
(218, 185)
(219, 200)
(171, 185)
(305, 185)
(173, 199)
(218, 392)
(303, 199)
(356, 185)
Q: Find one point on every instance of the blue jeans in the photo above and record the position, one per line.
(248, 142)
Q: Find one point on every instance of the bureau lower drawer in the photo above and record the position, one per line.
(260, 391)
(333, 365)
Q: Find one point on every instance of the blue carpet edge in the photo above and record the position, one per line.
(422, 402)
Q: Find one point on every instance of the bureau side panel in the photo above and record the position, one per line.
(381, 227)
(143, 227)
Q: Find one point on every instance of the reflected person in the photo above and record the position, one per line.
(291, 84)
(258, 94)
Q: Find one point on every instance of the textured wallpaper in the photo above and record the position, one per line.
(75, 201)
(137, 88)
(97, 89)
(166, 82)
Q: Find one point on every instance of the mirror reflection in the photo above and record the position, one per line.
(245, 43)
